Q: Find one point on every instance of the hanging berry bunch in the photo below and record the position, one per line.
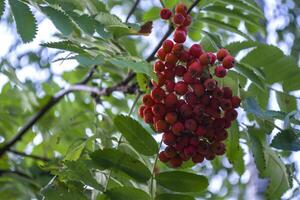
(186, 104)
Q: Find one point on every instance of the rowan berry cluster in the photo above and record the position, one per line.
(186, 104)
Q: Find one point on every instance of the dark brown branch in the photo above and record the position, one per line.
(28, 155)
(151, 57)
(4, 171)
(132, 9)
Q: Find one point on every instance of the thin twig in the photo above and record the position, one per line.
(28, 155)
(132, 9)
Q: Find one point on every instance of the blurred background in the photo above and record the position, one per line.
(38, 71)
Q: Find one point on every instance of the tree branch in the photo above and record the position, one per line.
(28, 155)
(132, 9)
(122, 86)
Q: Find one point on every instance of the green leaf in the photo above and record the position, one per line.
(25, 21)
(211, 42)
(138, 66)
(126, 193)
(2, 7)
(170, 3)
(233, 13)
(151, 14)
(139, 138)
(85, 22)
(222, 25)
(60, 20)
(234, 152)
(286, 102)
(249, 73)
(251, 106)
(204, 3)
(277, 67)
(117, 160)
(286, 140)
(142, 81)
(278, 177)
(182, 181)
(75, 151)
(174, 197)
(243, 5)
(257, 148)
(235, 47)
(65, 45)
(109, 20)
(79, 171)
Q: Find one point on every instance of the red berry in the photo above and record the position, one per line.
(170, 152)
(225, 104)
(217, 93)
(168, 138)
(169, 74)
(171, 117)
(186, 111)
(170, 85)
(227, 92)
(213, 58)
(148, 118)
(162, 157)
(190, 151)
(158, 94)
(177, 49)
(141, 111)
(168, 46)
(175, 162)
(218, 148)
(198, 158)
(181, 8)
(201, 130)
(188, 78)
(228, 62)
(159, 66)
(161, 54)
(219, 124)
(158, 109)
(204, 59)
(171, 58)
(191, 98)
(177, 128)
(195, 68)
(210, 84)
(198, 89)
(165, 13)
(181, 88)
(220, 72)
(190, 125)
(180, 70)
(187, 21)
(178, 19)
(184, 56)
(231, 115)
(147, 100)
(179, 36)
(235, 101)
(221, 54)
(171, 100)
(196, 50)
(221, 135)
(161, 126)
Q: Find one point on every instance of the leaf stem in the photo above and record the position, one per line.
(121, 137)
(153, 172)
